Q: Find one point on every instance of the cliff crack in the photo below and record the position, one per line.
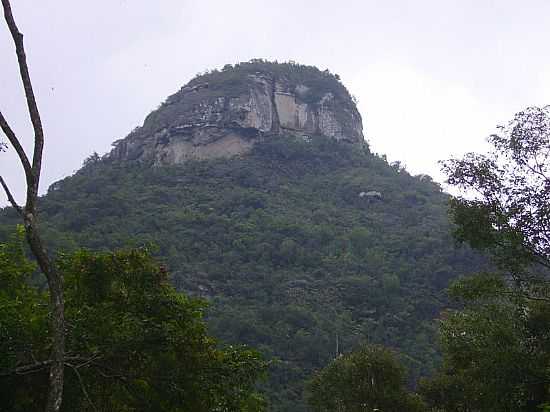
(275, 123)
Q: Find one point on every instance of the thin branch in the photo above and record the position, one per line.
(10, 196)
(24, 370)
(538, 170)
(39, 365)
(84, 391)
(524, 295)
(29, 94)
(88, 361)
(8, 131)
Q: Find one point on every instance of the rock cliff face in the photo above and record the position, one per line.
(223, 113)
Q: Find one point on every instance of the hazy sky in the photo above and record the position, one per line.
(433, 78)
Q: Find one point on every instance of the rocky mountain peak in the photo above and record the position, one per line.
(224, 112)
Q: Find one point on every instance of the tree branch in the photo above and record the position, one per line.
(10, 197)
(23, 370)
(55, 279)
(39, 365)
(84, 391)
(29, 94)
(8, 131)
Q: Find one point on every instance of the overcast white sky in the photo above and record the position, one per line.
(433, 77)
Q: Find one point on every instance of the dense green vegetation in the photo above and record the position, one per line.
(329, 260)
(290, 256)
(367, 379)
(496, 352)
(497, 348)
(133, 343)
(496, 345)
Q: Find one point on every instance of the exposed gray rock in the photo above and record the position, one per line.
(371, 194)
(202, 121)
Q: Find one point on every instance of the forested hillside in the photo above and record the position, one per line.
(303, 248)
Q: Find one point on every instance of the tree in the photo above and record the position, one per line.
(133, 342)
(368, 379)
(506, 207)
(30, 219)
(495, 351)
(497, 348)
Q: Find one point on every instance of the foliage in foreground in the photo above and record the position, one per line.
(497, 349)
(283, 246)
(133, 343)
(367, 379)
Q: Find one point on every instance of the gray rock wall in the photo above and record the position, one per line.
(198, 123)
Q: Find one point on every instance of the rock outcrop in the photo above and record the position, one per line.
(223, 113)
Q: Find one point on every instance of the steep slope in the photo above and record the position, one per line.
(304, 247)
(224, 113)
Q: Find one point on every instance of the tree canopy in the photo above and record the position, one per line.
(133, 342)
(368, 379)
(496, 349)
(506, 206)
(283, 245)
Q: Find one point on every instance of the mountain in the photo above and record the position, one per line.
(224, 113)
(260, 195)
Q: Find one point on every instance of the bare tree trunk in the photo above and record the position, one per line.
(57, 306)
(29, 215)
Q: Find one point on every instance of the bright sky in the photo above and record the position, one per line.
(433, 77)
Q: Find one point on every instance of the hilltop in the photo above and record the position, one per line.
(224, 113)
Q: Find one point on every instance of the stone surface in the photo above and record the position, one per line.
(225, 118)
